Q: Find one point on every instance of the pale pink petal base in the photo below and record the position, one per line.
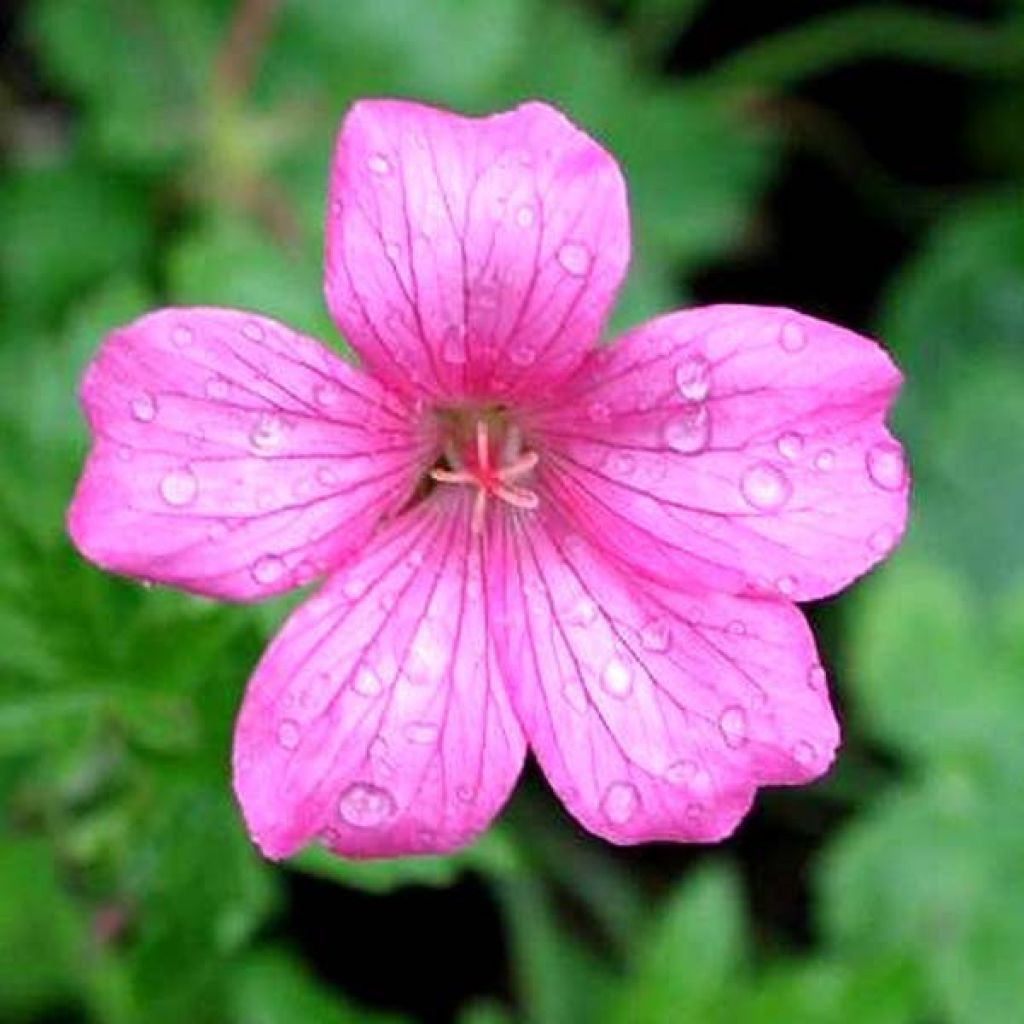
(737, 447)
(655, 714)
(471, 257)
(233, 457)
(377, 721)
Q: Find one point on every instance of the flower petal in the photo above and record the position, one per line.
(232, 456)
(654, 713)
(472, 257)
(377, 720)
(737, 447)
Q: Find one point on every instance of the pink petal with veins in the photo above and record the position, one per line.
(472, 257)
(736, 447)
(232, 456)
(654, 713)
(377, 720)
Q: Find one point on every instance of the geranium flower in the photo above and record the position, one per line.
(528, 541)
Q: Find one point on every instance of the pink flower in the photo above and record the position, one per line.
(528, 541)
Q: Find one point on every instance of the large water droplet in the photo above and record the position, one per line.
(885, 466)
(766, 487)
(656, 636)
(790, 445)
(792, 337)
(144, 407)
(379, 164)
(179, 487)
(693, 378)
(289, 733)
(365, 805)
(421, 733)
(267, 569)
(617, 678)
(620, 802)
(574, 258)
(732, 723)
(689, 430)
(267, 433)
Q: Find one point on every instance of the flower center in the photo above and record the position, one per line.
(492, 468)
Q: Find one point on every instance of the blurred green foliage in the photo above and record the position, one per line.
(185, 162)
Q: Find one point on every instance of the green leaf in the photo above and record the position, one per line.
(493, 855)
(688, 966)
(272, 987)
(42, 932)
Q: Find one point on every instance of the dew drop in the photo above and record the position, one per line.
(785, 585)
(598, 412)
(379, 164)
(656, 636)
(620, 802)
(182, 336)
(144, 407)
(179, 487)
(825, 460)
(364, 805)
(732, 723)
(523, 355)
(804, 753)
(421, 733)
(790, 445)
(267, 569)
(885, 466)
(766, 487)
(465, 793)
(288, 734)
(816, 677)
(617, 678)
(682, 773)
(216, 388)
(688, 431)
(574, 258)
(623, 464)
(253, 331)
(693, 378)
(354, 588)
(882, 541)
(584, 612)
(792, 337)
(326, 394)
(525, 216)
(267, 434)
(367, 683)
(736, 628)
(326, 476)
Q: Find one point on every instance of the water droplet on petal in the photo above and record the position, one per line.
(525, 216)
(816, 677)
(523, 355)
(253, 331)
(465, 793)
(882, 541)
(267, 569)
(766, 487)
(689, 430)
(575, 258)
(785, 585)
(584, 612)
(326, 394)
(682, 773)
(288, 734)
(354, 588)
(804, 753)
(216, 388)
(825, 460)
(733, 725)
(367, 683)
(656, 636)
(179, 487)
(268, 433)
(736, 627)
(693, 378)
(364, 805)
(598, 412)
(421, 733)
(792, 337)
(379, 164)
(617, 678)
(620, 802)
(790, 445)
(886, 466)
(623, 464)
(182, 336)
(326, 476)
(144, 407)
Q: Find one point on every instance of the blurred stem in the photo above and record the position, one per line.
(236, 63)
(950, 43)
